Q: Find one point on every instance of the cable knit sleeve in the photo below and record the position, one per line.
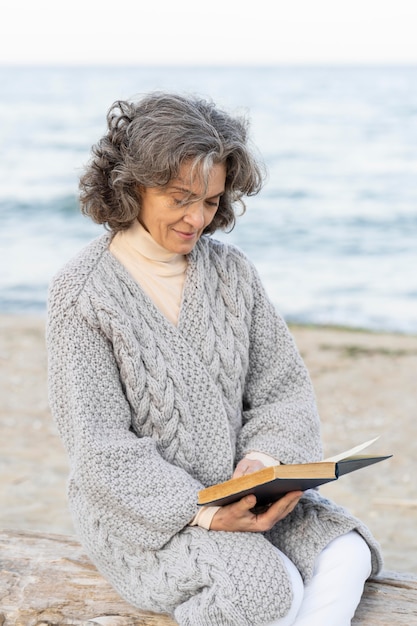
(119, 484)
(280, 415)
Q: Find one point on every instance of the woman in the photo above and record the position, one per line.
(170, 371)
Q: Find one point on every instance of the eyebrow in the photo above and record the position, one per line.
(190, 193)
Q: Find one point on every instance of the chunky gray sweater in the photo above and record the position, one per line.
(151, 413)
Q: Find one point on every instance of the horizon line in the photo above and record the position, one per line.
(211, 65)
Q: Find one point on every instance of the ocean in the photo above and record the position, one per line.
(334, 231)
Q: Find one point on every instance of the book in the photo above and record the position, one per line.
(271, 483)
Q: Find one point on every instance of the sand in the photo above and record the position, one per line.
(365, 385)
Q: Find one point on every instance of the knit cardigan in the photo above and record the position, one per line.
(151, 413)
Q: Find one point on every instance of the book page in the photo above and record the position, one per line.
(352, 451)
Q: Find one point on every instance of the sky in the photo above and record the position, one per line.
(215, 32)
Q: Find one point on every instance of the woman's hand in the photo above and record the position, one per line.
(247, 466)
(238, 516)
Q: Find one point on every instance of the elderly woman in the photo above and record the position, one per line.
(170, 371)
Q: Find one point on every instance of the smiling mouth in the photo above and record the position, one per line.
(185, 235)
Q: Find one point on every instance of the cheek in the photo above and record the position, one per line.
(211, 216)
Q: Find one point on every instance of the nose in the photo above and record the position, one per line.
(194, 214)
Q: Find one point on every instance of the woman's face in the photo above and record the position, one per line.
(177, 226)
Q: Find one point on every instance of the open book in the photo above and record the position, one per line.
(271, 483)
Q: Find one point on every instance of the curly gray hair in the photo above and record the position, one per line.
(147, 142)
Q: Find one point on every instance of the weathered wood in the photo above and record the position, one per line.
(46, 580)
(389, 600)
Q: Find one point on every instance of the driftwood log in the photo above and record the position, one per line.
(46, 580)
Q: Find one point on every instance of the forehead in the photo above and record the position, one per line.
(196, 181)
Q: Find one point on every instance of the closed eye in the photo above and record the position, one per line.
(214, 201)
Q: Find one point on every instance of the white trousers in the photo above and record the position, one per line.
(335, 590)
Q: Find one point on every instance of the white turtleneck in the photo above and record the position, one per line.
(159, 272)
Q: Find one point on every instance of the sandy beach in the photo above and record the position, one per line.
(365, 385)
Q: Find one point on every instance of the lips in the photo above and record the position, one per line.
(185, 235)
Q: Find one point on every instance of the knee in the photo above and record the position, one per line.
(357, 551)
(252, 587)
(230, 603)
(350, 552)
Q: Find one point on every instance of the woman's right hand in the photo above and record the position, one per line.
(239, 516)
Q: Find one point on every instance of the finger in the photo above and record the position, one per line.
(255, 466)
(277, 511)
(239, 469)
(240, 515)
(285, 505)
(236, 516)
(246, 504)
(247, 466)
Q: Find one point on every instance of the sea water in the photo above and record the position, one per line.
(334, 231)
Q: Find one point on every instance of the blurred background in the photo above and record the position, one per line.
(331, 92)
